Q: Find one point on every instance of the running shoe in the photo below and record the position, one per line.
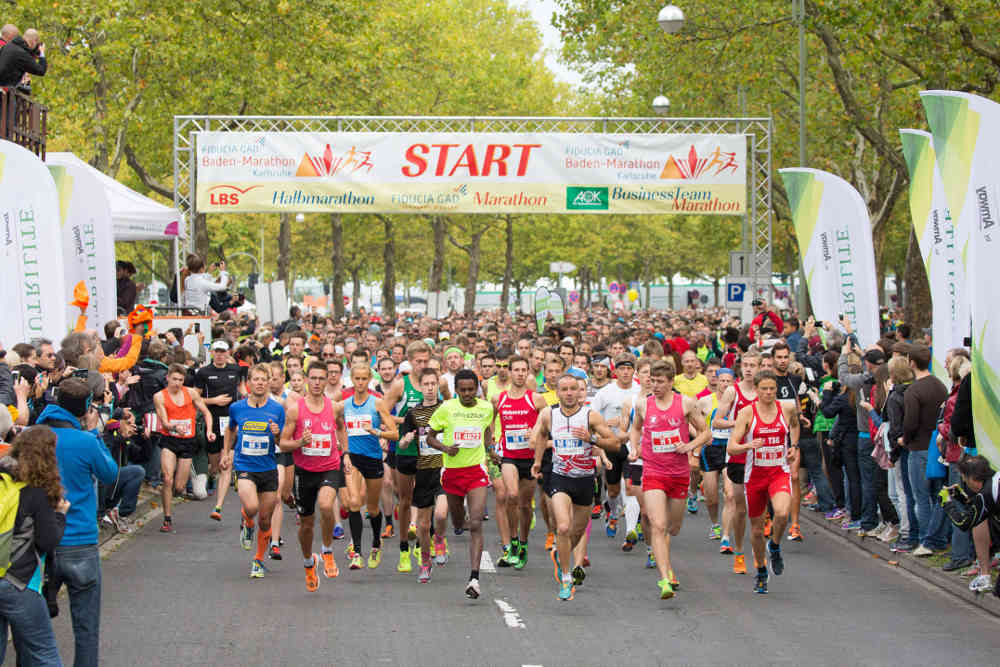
(374, 558)
(216, 514)
(550, 540)
(522, 558)
(900, 547)
(506, 557)
(356, 562)
(579, 574)
(330, 568)
(890, 533)
(666, 590)
(557, 568)
(630, 541)
(566, 591)
(794, 534)
(440, 550)
(611, 528)
(980, 584)
(835, 514)
(246, 535)
(416, 553)
(739, 564)
(168, 525)
(725, 547)
(532, 526)
(676, 585)
(388, 531)
(472, 589)
(851, 525)
(774, 556)
(596, 512)
(760, 585)
(638, 532)
(650, 559)
(922, 551)
(692, 504)
(257, 569)
(767, 528)
(338, 532)
(312, 579)
(274, 553)
(715, 532)
(810, 498)
(404, 562)
(349, 551)
(425, 574)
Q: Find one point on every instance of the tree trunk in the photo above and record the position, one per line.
(355, 288)
(472, 279)
(201, 239)
(285, 250)
(918, 289)
(670, 290)
(715, 288)
(517, 292)
(508, 269)
(337, 257)
(439, 225)
(389, 281)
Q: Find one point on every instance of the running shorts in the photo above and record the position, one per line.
(183, 448)
(523, 466)
(619, 460)
(633, 473)
(762, 486)
(713, 457)
(307, 486)
(459, 481)
(426, 487)
(284, 459)
(370, 468)
(406, 465)
(390, 459)
(736, 472)
(675, 486)
(579, 489)
(265, 481)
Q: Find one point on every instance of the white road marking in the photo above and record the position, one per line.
(486, 563)
(510, 615)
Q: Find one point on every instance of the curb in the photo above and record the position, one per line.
(953, 584)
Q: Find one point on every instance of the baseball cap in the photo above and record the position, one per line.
(757, 302)
(220, 344)
(875, 357)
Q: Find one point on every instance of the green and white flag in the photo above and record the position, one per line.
(835, 241)
(966, 131)
(548, 303)
(32, 287)
(940, 248)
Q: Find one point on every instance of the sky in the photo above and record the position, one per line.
(542, 11)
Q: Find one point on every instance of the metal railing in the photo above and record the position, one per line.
(23, 121)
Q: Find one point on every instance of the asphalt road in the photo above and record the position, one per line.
(186, 599)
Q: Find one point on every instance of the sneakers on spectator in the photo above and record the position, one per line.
(981, 584)
(900, 547)
(835, 514)
(953, 564)
(890, 533)
(922, 551)
(851, 525)
(116, 521)
(810, 498)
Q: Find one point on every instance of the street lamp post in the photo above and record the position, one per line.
(661, 105)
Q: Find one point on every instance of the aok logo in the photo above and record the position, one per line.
(586, 199)
(228, 195)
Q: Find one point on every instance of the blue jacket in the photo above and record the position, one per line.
(82, 456)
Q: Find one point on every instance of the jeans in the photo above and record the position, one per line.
(938, 524)
(920, 489)
(961, 540)
(898, 498)
(27, 615)
(80, 569)
(125, 492)
(913, 534)
(812, 461)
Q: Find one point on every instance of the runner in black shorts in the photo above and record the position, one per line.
(579, 489)
(183, 448)
(265, 481)
(370, 468)
(219, 384)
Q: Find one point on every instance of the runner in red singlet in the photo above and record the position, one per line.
(769, 432)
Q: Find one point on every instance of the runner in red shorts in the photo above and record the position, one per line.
(661, 430)
(769, 433)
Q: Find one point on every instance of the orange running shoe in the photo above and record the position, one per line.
(767, 528)
(312, 579)
(550, 539)
(739, 564)
(388, 531)
(794, 534)
(330, 568)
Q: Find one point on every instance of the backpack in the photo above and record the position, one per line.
(10, 499)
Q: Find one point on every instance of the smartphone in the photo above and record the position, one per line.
(81, 373)
(840, 316)
(197, 327)
(15, 376)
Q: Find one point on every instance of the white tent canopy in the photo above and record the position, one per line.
(134, 217)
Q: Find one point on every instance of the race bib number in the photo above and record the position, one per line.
(358, 425)
(468, 437)
(321, 445)
(182, 428)
(255, 445)
(569, 446)
(516, 438)
(769, 456)
(424, 448)
(720, 433)
(665, 442)
(223, 424)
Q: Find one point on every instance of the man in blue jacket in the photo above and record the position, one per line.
(82, 456)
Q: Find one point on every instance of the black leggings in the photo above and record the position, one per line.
(834, 470)
(842, 459)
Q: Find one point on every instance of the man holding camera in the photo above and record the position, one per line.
(20, 56)
(762, 313)
(979, 514)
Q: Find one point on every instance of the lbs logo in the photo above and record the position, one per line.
(227, 195)
(586, 199)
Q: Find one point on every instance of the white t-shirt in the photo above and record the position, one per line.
(608, 401)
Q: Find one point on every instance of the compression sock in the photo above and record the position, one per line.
(354, 519)
(263, 538)
(376, 522)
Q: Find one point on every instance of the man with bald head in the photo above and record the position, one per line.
(7, 33)
(20, 56)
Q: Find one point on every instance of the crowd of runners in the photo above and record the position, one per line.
(400, 429)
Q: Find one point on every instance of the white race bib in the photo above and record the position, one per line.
(184, 427)
(223, 424)
(665, 442)
(769, 456)
(425, 449)
(516, 438)
(468, 437)
(255, 445)
(321, 445)
(569, 446)
(357, 425)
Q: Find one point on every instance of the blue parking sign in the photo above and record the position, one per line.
(735, 292)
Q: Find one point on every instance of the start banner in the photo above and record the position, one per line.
(455, 172)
